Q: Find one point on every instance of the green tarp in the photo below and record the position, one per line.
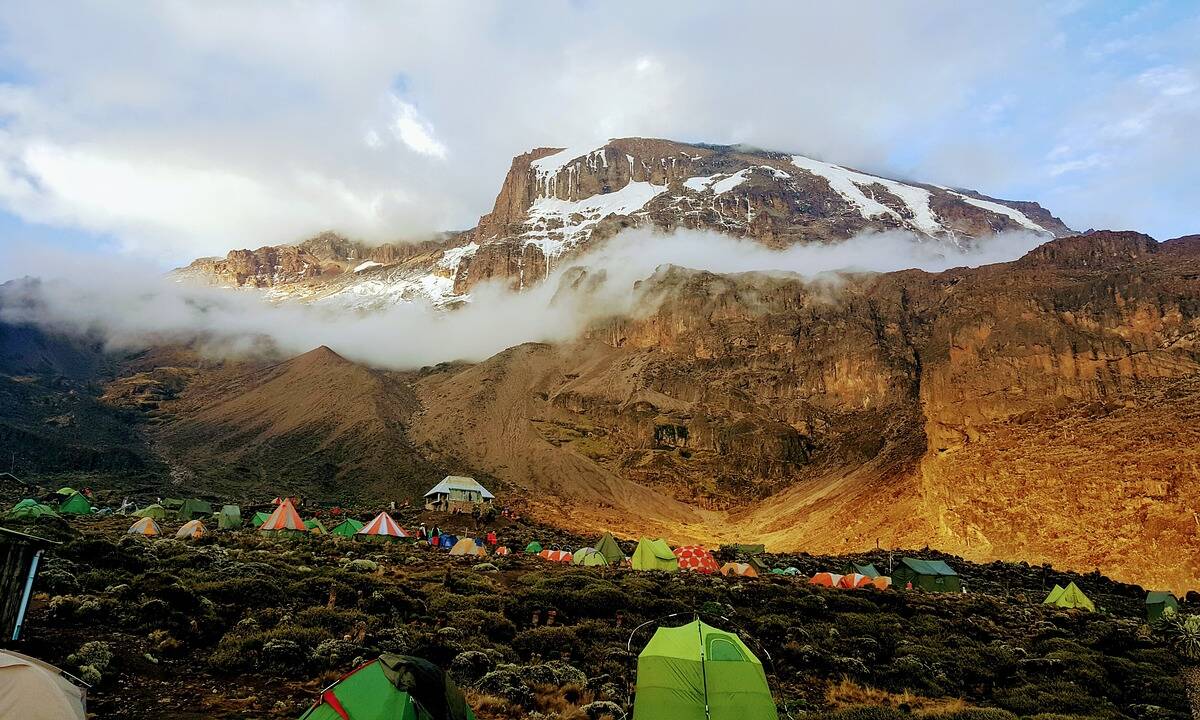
(259, 518)
(609, 548)
(29, 509)
(587, 556)
(533, 548)
(76, 505)
(156, 511)
(394, 687)
(192, 509)
(1158, 602)
(1070, 597)
(931, 575)
(347, 527)
(654, 555)
(229, 518)
(698, 672)
(315, 526)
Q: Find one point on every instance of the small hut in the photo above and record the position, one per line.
(458, 494)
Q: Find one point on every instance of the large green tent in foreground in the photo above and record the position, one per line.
(697, 672)
(394, 687)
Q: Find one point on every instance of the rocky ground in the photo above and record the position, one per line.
(237, 625)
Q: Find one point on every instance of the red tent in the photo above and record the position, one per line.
(826, 579)
(697, 559)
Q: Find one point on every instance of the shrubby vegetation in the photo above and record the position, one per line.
(156, 625)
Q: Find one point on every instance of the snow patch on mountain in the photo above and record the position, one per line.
(554, 224)
(999, 209)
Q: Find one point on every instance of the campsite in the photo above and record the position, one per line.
(205, 618)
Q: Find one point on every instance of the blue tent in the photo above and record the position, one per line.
(447, 541)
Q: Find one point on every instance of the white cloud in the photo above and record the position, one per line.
(414, 132)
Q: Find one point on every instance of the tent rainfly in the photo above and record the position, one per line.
(156, 511)
(609, 548)
(145, 526)
(869, 570)
(192, 509)
(394, 687)
(315, 526)
(284, 519)
(347, 528)
(29, 509)
(1158, 603)
(699, 672)
(931, 575)
(654, 554)
(467, 546)
(1069, 597)
(697, 559)
(589, 557)
(191, 530)
(229, 517)
(77, 504)
(382, 527)
(34, 690)
(259, 518)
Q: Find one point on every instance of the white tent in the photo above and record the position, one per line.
(33, 690)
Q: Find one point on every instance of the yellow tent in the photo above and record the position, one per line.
(654, 555)
(467, 546)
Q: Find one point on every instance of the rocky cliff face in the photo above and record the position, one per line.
(556, 203)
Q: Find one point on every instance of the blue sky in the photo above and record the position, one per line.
(194, 128)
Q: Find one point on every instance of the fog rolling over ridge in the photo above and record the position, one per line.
(130, 306)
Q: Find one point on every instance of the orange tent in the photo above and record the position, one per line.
(826, 579)
(502, 550)
(383, 526)
(191, 530)
(283, 518)
(146, 526)
(882, 582)
(853, 580)
(696, 559)
(741, 569)
(565, 556)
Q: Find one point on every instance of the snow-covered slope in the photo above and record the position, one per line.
(556, 202)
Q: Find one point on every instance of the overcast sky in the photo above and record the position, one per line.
(170, 130)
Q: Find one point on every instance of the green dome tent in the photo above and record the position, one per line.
(533, 548)
(654, 555)
(65, 491)
(394, 687)
(259, 518)
(698, 672)
(589, 557)
(192, 509)
(347, 528)
(76, 505)
(229, 518)
(29, 509)
(609, 548)
(156, 511)
(1158, 603)
(1069, 597)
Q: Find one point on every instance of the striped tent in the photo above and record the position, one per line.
(563, 556)
(739, 569)
(383, 526)
(851, 581)
(191, 530)
(146, 526)
(283, 519)
(826, 579)
(697, 559)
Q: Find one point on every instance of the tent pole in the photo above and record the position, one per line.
(33, 566)
(703, 669)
